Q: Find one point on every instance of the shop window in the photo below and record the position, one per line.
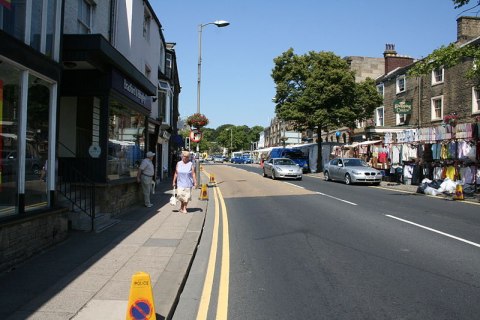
(37, 143)
(437, 108)
(126, 141)
(9, 113)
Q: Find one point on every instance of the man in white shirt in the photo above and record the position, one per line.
(145, 175)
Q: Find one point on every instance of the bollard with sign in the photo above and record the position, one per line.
(140, 302)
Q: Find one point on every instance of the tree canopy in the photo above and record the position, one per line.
(318, 91)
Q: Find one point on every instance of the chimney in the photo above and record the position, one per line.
(468, 28)
(393, 60)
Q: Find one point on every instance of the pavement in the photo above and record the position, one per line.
(89, 275)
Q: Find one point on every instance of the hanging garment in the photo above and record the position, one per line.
(450, 173)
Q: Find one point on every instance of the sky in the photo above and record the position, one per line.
(237, 60)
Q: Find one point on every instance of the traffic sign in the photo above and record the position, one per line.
(195, 135)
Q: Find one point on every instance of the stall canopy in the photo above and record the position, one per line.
(363, 143)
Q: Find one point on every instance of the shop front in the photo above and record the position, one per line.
(104, 127)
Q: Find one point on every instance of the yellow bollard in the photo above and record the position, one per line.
(140, 302)
(203, 192)
(458, 193)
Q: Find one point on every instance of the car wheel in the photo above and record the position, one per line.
(299, 179)
(327, 176)
(348, 179)
(273, 175)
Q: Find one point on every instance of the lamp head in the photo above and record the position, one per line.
(221, 23)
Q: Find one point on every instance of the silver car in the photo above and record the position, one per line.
(282, 168)
(351, 170)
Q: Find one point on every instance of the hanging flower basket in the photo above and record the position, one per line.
(450, 119)
(197, 120)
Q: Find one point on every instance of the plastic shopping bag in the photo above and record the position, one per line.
(173, 199)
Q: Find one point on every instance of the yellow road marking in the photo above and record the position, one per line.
(207, 286)
(222, 306)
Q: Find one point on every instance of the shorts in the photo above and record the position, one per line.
(184, 194)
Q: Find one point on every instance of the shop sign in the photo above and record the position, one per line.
(402, 107)
(130, 90)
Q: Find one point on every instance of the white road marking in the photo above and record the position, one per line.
(329, 196)
(294, 185)
(436, 231)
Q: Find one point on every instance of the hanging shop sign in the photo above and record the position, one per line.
(402, 107)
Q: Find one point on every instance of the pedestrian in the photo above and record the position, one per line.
(145, 176)
(184, 179)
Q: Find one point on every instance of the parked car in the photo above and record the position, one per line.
(282, 168)
(218, 158)
(351, 170)
(292, 153)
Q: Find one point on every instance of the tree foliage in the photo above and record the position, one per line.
(318, 90)
(461, 3)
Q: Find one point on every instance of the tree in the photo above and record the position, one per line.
(317, 90)
(461, 3)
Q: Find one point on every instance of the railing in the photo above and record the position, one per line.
(75, 185)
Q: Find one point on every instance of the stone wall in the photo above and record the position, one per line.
(21, 239)
(116, 198)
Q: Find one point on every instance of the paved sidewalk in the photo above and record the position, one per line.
(88, 276)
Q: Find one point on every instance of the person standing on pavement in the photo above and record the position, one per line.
(184, 179)
(145, 176)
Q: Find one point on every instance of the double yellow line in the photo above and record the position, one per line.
(222, 304)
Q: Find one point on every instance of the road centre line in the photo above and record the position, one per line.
(329, 196)
(434, 230)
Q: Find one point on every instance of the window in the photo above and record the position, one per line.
(147, 18)
(437, 76)
(380, 89)
(379, 116)
(475, 100)
(401, 84)
(437, 108)
(400, 119)
(168, 64)
(85, 12)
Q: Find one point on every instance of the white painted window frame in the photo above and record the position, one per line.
(397, 84)
(434, 76)
(432, 103)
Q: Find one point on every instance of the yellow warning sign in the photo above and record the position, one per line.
(140, 302)
(203, 192)
(458, 192)
(212, 179)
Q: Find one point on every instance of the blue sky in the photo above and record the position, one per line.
(237, 60)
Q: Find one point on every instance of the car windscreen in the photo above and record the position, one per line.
(354, 163)
(284, 162)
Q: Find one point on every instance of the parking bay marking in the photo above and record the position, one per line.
(434, 230)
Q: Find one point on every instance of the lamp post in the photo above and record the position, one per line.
(220, 24)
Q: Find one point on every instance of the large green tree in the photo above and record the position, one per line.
(317, 90)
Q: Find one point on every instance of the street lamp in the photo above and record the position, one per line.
(220, 24)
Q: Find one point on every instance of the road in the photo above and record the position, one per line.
(313, 249)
